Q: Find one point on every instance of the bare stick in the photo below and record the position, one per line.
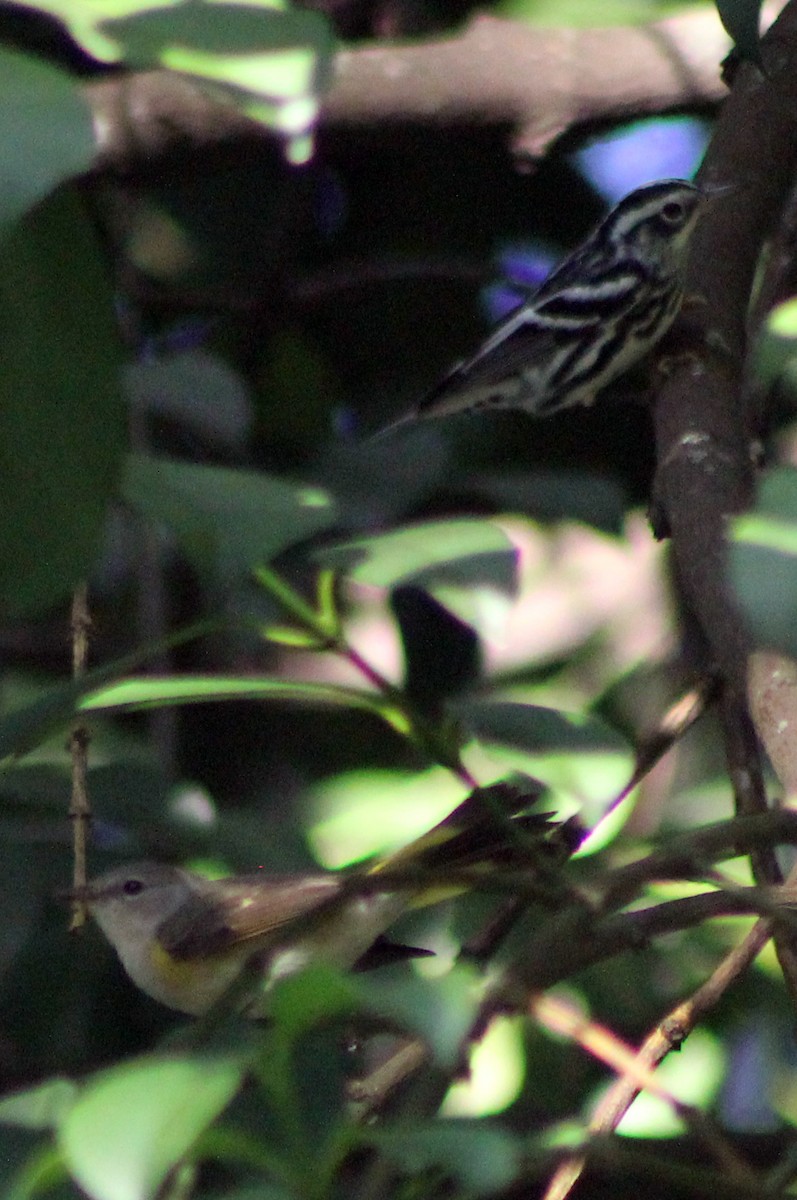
(668, 1035)
(79, 807)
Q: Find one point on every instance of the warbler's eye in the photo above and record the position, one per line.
(673, 212)
(132, 887)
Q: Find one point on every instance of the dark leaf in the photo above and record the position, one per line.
(227, 521)
(463, 552)
(441, 653)
(534, 729)
(46, 134)
(62, 424)
(741, 19)
(482, 1158)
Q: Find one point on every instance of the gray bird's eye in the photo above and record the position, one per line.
(132, 887)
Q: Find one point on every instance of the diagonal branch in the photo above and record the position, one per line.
(668, 1035)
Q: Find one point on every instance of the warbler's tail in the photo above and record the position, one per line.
(503, 825)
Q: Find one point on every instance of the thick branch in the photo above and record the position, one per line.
(536, 82)
(703, 429)
(773, 703)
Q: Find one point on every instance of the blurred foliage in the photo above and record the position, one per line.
(764, 544)
(276, 58)
(588, 13)
(764, 561)
(307, 644)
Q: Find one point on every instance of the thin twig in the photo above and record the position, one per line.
(79, 806)
(668, 1035)
(559, 1016)
(690, 855)
(676, 722)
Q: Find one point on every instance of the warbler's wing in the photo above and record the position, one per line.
(243, 909)
(514, 358)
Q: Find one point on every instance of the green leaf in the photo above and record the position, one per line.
(40, 1174)
(30, 724)
(481, 1158)
(301, 1065)
(147, 691)
(41, 1107)
(81, 17)
(248, 1149)
(194, 388)
(46, 133)
(461, 552)
(777, 495)
(227, 521)
(765, 582)
(775, 353)
(297, 639)
(316, 994)
(147, 37)
(133, 1124)
(62, 423)
(442, 1011)
(372, 479)
(261, 1190)
(22, 729)
(586, 13)
(141, 693)
(295, 606)
(327, 602)
(763, 562)
(555, 494)
(534, 729)
(441, 653)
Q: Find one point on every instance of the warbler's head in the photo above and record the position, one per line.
(130, 904)
(133, 900)
(652, 226)
(184, 939)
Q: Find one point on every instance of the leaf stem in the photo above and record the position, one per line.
(438, 740)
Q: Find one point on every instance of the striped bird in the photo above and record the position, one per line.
(602, 310)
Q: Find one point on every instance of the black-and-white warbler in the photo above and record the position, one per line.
(596, 315)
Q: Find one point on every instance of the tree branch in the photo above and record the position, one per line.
(537, 82)
(702, 424)
(668, 1035)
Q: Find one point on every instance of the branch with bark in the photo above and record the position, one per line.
(705, 417)
(538, 83)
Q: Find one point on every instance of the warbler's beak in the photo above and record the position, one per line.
(717, 191)
(81, 895)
